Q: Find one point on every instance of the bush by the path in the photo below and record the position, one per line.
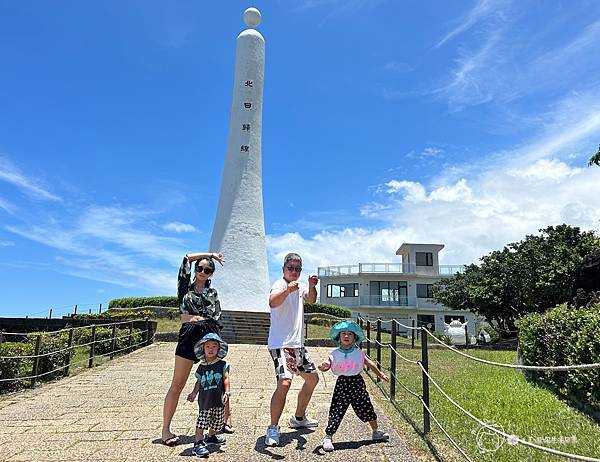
(333, 310)
(11, 368)
(136, 302)
(130, 314)
(564, 336)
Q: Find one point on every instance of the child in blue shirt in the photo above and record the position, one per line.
(212, 389)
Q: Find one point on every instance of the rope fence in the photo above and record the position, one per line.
(516, 366)
(423, 398)
(113, 343)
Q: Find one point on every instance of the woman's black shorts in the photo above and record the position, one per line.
(190, 334)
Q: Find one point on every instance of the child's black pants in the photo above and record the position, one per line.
(349, 390)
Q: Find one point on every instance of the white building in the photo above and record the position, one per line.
(399, 290)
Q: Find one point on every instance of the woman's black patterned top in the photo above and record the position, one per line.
(205, 304)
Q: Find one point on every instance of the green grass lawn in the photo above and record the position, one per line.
(167, 325)
(499, 396)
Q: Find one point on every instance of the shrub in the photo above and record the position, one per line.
(11, 368)
(333, 310)
(443, 338)
(104, 339)
(136, 302)
(118, 315)
(564, 336)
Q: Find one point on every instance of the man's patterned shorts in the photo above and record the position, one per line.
(291, 361)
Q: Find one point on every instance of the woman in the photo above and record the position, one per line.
(200, 313)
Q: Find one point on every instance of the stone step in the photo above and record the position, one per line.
(245, 327)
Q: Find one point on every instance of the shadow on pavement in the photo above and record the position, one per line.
(284, 440)
(346, 445)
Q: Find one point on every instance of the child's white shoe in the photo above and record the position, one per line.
(327, 444)
(380, 435)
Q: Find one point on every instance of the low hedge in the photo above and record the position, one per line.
(129, 314)
(15, 367)
(136, 302)
(333, 310)
(564, 336)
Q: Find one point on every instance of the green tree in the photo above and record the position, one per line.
(528, 276)
(595, 159)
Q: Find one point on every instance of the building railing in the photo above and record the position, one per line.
(382, 300)
(386, 300)
(390, 268)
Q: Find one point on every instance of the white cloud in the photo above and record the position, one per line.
(30, 186)
(7, 243)
(7, 206)
(500, 63)
(415, 192)
(475, 78)
(178, 227)
(113, 245)
(471, 218)
(482, 9)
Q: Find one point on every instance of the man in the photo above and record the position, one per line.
(286, 345)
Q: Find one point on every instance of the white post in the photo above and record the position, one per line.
(239, 229)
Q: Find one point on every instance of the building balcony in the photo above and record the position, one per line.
(390, 268)
(382, 300)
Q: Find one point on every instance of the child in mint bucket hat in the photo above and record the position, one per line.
(347, 362)
(212, 390)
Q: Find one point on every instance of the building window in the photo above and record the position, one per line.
(342, 290)
(424, 259)
(427, 321)
(449, 318)
(424, 290)
(388, 293)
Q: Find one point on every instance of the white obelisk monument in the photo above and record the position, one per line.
(239, 229)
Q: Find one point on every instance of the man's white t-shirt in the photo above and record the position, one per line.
(287, 319)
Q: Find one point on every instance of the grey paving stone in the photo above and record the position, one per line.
(114, 412)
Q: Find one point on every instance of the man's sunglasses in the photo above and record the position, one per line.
(206, 270)
(294, 269)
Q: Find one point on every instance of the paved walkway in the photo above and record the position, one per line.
(113, 412)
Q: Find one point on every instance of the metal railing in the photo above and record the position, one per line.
(390, 268)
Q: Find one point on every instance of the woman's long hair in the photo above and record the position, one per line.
(211, 263)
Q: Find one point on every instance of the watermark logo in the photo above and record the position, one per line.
(488, 440)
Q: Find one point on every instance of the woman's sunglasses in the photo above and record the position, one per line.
(204, 269)
(294, 269)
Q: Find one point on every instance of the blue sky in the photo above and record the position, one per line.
(467, 123)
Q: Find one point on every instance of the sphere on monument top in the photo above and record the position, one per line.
(252, 17)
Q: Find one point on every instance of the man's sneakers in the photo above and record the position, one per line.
(272, 436)
(380, 435)
(200, 449)
(304, 422)
(327, 444)
(273, 432)
(214, 440)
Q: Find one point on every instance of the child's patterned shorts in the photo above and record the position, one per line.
(211, 418)
(291, 361)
